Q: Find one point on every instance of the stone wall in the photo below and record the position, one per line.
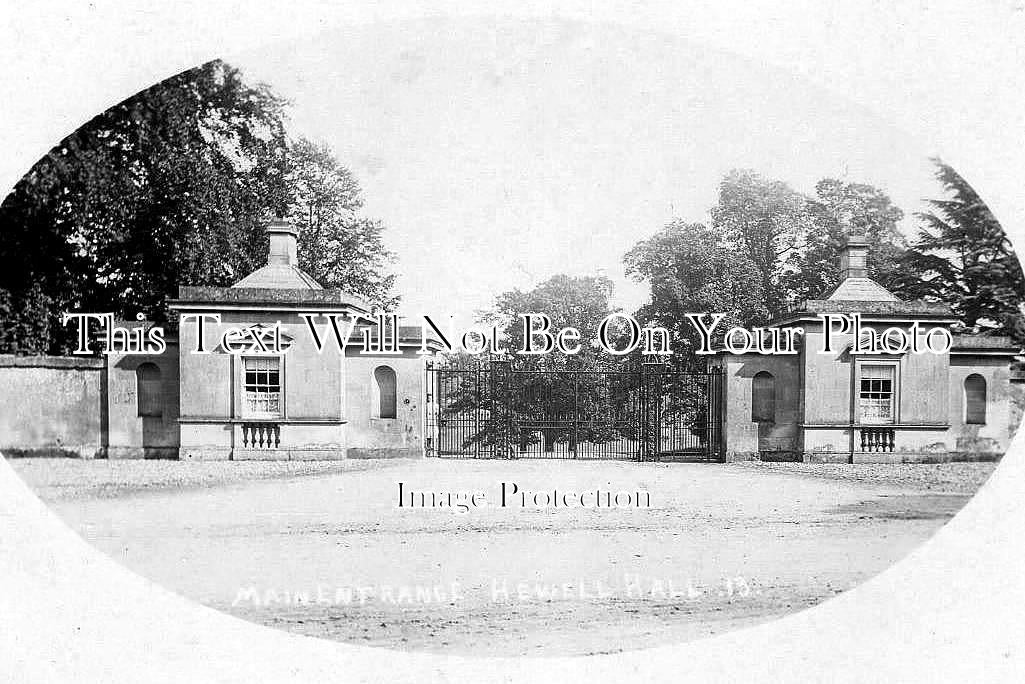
(747, 439)
(990, 439)
(131, 434)
(369, 435)
(52, 406)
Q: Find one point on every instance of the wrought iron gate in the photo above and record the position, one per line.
(496, 410)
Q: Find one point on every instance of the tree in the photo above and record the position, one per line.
(837, 209)
(173, 185)
(337, 247)
(795, 241)
(692, 269)
(24, 321)
(767, 221)
(963, 257)
(578, 301)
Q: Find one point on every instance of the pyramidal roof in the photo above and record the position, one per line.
(861, 290)
(279, 277)
(281, 271)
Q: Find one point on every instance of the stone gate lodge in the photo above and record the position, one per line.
(837, 407)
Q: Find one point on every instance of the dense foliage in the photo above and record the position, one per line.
(581, 302)
(769, 246)
(963, 257)
(173, 186)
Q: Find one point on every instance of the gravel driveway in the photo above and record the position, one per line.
(326, 551)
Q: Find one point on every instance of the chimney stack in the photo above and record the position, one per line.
(283, 239)
(854, 257)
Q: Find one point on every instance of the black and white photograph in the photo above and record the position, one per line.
(503, 338)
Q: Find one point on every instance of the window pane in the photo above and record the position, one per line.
(262, 386)
(875, 397)
(870, 371)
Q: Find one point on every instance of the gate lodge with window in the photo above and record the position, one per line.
(303, 404)
(852, 407)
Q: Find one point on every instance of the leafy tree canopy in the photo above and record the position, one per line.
(172, 186)
(794, 240)
(765, 220)
(691, 269)
(837, 209)
(769, 246)
(578, 301)
(337, 246)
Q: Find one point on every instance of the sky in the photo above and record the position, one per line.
(500, 152)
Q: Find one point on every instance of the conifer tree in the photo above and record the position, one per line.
(963, 257)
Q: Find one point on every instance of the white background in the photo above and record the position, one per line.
(952, 611)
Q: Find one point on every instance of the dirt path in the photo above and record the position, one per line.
(333, 556)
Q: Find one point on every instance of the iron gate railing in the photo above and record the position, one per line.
(496, 410)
